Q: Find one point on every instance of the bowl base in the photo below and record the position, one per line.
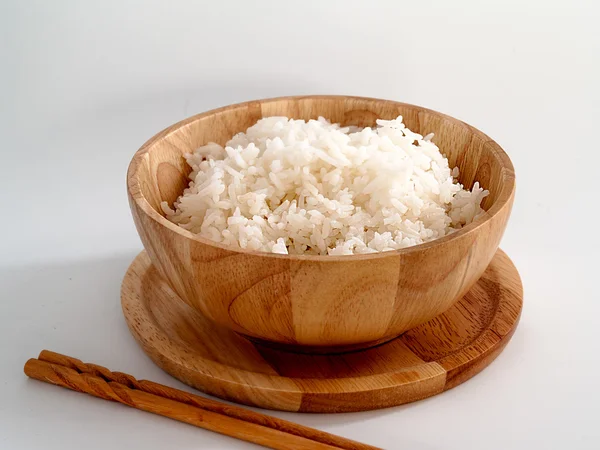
(422, 362)
(317, 349)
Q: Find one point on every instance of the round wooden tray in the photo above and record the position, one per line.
(424, 361)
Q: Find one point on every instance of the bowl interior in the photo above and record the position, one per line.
(161, 172)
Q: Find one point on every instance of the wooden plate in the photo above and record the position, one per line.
(424, 361)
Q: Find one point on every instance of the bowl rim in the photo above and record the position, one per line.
(136, 195)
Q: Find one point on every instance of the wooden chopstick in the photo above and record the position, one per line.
(226, 419)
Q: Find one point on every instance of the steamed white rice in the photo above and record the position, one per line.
(290, 186)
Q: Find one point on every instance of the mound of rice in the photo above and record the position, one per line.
(291, 186)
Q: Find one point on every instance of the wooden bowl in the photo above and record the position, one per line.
(316, 303)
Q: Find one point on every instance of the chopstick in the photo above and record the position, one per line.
(179, 405)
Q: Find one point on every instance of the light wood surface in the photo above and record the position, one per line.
(117, 392)
(98, 381)
(318, 301)
(424, 361)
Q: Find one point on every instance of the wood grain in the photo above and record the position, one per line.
(424, 361)
(317, 302)
(167, 407)
(66, 364)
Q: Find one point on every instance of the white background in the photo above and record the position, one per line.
(83, 84)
